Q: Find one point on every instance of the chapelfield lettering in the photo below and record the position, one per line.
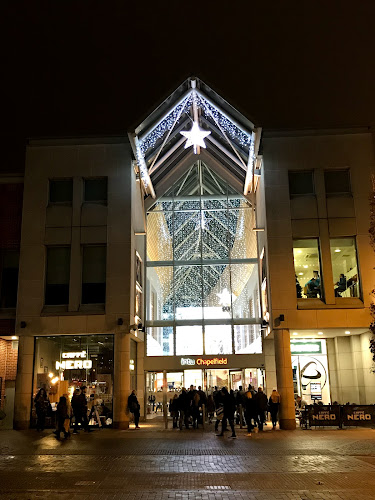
(214, 361)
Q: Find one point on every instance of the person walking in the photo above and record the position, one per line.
(134, 408)
(261, 407)
(62, 418)
(229, 409)
(210, 408)
(173, 410)
(77, 411)
(274, 403)
(184, 408)
(83, 408)
(249, 405)
(42, 407)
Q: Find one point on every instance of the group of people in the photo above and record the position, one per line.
(251, 407)
(65, 411)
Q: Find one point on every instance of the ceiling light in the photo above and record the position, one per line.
(347, 332)
(299, 251)
(295, 333)
(305, 267)
(320, 333)
(300, 274)
(14, 337)
(337, 250)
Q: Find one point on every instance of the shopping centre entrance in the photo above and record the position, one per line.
(207, 379)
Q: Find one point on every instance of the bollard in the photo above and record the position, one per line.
(241, 416)
(203, 415)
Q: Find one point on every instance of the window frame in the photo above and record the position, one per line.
(313, 193)
(96, 202)
(354, 237)
(59, 179)
(47, 247)
(322, 288)
(87, 304)
(348, 194)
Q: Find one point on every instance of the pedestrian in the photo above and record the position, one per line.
(42, 407)
(62, 418)
(195, 404)
(77, 410)
(274, 403)
(173, 410)
(134, 407)
(83, 404)
(219, 406)
(249, 412)
(210, 408)
(261, 407)
(184, 408)
(229, 409)
(240, 403)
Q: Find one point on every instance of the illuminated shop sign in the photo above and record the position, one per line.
(74, 361)
(203, 361)
(299, 347)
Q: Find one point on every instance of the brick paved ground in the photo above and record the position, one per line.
(154, 463)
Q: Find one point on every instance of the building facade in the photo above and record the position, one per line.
(200, 251)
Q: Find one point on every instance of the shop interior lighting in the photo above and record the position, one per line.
(50, 375)
(14, 337)
(295, 333)
(320, 333)
(347, 332)
(54, 380)
(337, 250)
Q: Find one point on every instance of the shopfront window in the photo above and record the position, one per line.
(202, 266)
(344, 267)
(64, 363)
(307, 269)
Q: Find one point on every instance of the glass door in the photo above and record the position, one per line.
(235, 379)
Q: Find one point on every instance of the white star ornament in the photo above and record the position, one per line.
(195, 137)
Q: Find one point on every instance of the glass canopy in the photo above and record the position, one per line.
(202, 269)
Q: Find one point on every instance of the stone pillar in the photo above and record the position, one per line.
(24, 383)
(121, 381)
(284, 374)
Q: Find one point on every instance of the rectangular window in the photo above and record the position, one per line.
(57, 276)
(344, 267)
(189, 340)
(301, 182)
(337, 182)
(218, 339)
(61, 190)
(96, 190)
(8, 278)
(307, 269)
(160, 341)
(94, 274)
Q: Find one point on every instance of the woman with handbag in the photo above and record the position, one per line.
(62, 417)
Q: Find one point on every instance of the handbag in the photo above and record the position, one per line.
(220, 413)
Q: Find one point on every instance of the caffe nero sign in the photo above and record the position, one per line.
(358, 416)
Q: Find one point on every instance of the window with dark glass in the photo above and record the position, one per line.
(96, 190)
(337, 181)
(61, 190)
(8, 278)
(301, 182)
(57, 276)
(307, 269)
(93, 274)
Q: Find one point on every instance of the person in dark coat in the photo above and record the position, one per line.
(83, 408)
(210, 408)
(249, 405)
(184, 403)
(274, 403)
(134, 408)
(77, 410)
(174, 410)
(62, 415)
(229, 404)
(42, 406)
(261, 402)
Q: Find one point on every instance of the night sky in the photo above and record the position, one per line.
(98, 67)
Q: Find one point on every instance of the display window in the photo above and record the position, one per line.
(307, 269)
(345, 267)
(66, 362)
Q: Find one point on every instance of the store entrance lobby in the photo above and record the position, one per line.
(154, 463)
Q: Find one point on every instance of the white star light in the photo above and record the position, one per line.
(195, 137)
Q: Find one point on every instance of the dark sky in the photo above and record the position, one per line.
(98, 67)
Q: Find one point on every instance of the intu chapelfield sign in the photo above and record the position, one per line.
(301, 347)
(203, 361)
(74, 361)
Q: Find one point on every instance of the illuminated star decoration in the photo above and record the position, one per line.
(195, 137)
(224, 297)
